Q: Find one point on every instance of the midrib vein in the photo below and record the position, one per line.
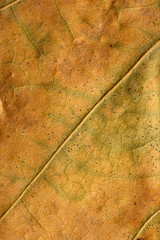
(76, 128)
(9, 4)
(145, 224)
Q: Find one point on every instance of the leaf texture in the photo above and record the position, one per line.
(79, 120)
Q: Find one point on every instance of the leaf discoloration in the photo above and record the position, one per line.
(80, 120)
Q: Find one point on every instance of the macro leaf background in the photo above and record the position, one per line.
(79, 119)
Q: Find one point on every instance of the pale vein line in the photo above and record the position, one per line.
(45, 230)
(147, 143)
(64, 19)
(25, 33)
(143, 6)
(146, 223)
(10, 4)
(77, 127)
(32, 215)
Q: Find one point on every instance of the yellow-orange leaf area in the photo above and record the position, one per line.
(79, 120)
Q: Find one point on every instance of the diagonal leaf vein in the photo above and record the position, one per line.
(77, 127)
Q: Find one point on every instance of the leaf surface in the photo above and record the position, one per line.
(79, 120)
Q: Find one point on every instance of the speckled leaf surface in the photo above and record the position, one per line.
(79, 120)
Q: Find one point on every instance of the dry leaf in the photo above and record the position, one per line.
(79, 119)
